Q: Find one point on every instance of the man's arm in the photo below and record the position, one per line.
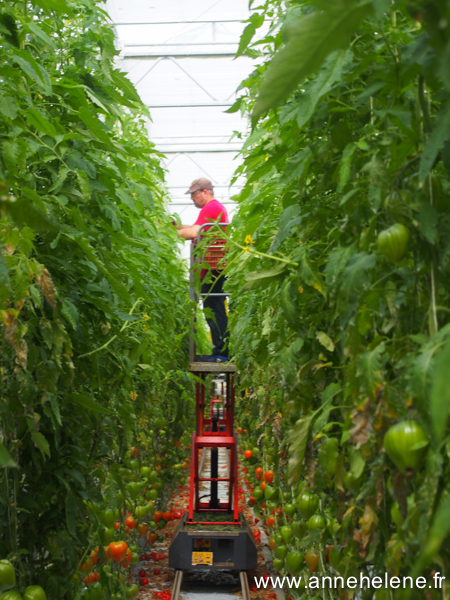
(188, 233)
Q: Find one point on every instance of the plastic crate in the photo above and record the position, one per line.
(215, 254)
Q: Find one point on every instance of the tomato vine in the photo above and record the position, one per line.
(346, 173)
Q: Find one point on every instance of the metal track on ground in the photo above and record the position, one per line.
(219, 592)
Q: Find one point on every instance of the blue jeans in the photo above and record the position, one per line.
(218, 327)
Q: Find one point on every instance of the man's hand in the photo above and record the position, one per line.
(188, 232)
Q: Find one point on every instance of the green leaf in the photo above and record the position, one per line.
(86, 401)
(24, 212)
(256, 20)
(436, 141)
(37, 120)
(60, 6)
(437, 534)
(354, 277)
(9, 29)
(71, 512)
(37, 73)
(290, 217)
(34, 28)
(440, 393)
(235, 107)
(427, 221)
(370, 367)
(125, 85)
(4, 273)
(8, 107)
(298, 438)
(357, 462)
(95, 126)
(5, 458)
(69, 310)
(311, 40)
(297, 165)
(41, 443)
(328, 75)
(60, 179)
(261, 279)
(55, 406)
(325, 340)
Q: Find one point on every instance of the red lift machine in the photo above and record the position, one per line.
(203, 540)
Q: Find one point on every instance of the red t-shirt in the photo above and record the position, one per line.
(209, 213)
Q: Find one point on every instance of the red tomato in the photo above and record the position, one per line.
(271, 521)
(258, 472)
(117, 551)
(157, 516)
(248, 454)
(131, 523)
(268, 476)
(87, 566)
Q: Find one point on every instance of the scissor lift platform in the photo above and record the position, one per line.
(213, 534)
(235, 549)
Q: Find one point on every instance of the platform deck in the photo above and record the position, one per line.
(208, 367)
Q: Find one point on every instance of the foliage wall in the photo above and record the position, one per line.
(93, 300)
(341, 257)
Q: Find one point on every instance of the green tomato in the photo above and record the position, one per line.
(132, 591)
(146, 472)
(141, 511)
(271, 492)
(294, 561)
(298, 529)
(134, 490)
(153, 494)
(134, 558)
(258, 493)
(406, 443)
(34, 592)
(278, 563)
(281, 551)
(286, 534)
(11, 595)
(7, 575)
(290, 509)
(106, 535)
(307, 504)
(316, 522)
(107, 517)
(393, 242)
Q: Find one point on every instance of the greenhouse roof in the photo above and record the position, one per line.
(180, 56)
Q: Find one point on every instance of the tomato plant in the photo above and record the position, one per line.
(339, 278)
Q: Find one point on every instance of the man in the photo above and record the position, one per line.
(202, 194)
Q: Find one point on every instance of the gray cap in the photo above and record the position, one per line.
(200, 184)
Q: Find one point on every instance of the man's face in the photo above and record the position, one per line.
(199, 198)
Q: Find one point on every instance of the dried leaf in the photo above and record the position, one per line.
(360, 433)
(22, 355)
(368, 523)
(276, 427)
(46, 286)
(10, 323)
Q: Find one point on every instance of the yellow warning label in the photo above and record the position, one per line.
(202, 558)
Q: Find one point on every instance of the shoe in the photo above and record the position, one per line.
(215, 358)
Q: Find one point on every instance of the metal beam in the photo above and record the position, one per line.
(195, 151)
(181, 22)
(186, 105)
(181, 44)
(173, 55)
